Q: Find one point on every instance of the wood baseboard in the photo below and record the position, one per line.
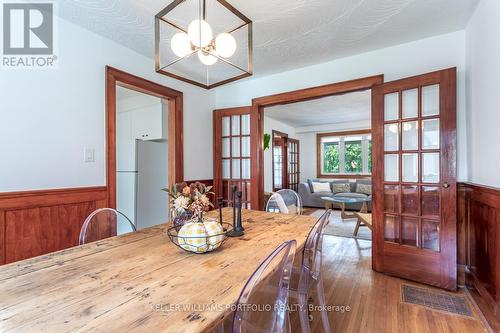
(489, 308)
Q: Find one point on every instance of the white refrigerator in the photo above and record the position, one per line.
(141, 173)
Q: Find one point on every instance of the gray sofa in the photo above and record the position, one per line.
(310, 199)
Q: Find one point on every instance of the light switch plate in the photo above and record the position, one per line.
(89, 155)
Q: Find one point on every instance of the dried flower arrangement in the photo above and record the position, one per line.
(189, 200)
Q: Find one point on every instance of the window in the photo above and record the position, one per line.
(346, 153)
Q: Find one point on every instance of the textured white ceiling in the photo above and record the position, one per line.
(352, 107)
(288, 33)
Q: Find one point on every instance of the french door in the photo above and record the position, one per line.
(293, 172)
(279, 162)
(286, 162)
(232, 160)
(414, 168)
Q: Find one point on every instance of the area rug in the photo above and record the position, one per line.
(339, 227)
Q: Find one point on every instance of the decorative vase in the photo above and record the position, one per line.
(180, 219)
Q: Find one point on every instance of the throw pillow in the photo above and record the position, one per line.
(364, 188)
(341, 188)
(321, 187)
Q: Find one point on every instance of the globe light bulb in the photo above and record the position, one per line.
(180, 44)
(194, 30)
(225, 44)
(206, 58)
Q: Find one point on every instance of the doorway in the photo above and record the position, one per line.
(414, 170)
(150, 117)
(285, 161)
(321, 149)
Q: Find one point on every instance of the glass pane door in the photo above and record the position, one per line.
(293, 164)
(411, 164)
(232, 153)
(414, 200)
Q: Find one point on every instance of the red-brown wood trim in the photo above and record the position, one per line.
(43, 198)
(116, 77)
(2, 237)
(257, 120)
(207, 182)
(306, 94)
(478, 246)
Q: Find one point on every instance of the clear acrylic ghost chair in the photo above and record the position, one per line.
(263, 302)
(104, 223)
(309, 275)
(285, 201)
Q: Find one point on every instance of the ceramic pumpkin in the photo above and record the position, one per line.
(215, 234)
(200, 237)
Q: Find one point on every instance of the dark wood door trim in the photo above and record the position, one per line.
(257, 120)
(116, 77)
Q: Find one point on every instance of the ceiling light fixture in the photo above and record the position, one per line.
(214, 44)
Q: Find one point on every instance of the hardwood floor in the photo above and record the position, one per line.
(375, 299)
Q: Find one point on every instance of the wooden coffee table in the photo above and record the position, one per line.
(342, 201)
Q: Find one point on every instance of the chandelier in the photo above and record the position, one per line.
(207, 43)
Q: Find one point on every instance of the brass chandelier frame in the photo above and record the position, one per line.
(159, 18)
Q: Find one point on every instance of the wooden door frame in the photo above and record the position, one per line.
(283, 159)
(301, 95)
(116, 77)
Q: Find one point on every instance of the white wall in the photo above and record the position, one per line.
(395, 62)
(270, 125)
(483, 98)
(48, 117)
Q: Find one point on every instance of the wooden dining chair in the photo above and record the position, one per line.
(309, 276)
(285, 201)
(263, 302)
(104, 223)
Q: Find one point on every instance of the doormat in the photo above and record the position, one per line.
(436, 300)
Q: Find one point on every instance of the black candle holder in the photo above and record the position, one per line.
(238, 229)
(220, 203)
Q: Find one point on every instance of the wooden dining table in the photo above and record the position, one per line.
(140, 282)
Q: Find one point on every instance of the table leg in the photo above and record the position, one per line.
(358, 224)
(345, 215)
(364, 208)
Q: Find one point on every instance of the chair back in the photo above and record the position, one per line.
(104, 223)
(311, 258)
(263, 302)
(285, 201)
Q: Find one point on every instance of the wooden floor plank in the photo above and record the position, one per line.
(375, 299)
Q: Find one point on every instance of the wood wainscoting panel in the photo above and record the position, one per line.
(479, 246)
(39, 222)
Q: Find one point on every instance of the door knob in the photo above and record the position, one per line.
(446, 185)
